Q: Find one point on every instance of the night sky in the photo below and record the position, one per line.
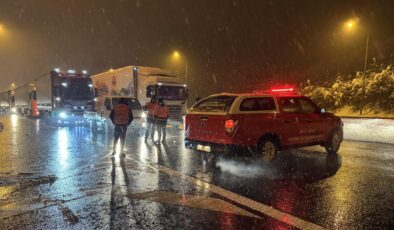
(237, 45)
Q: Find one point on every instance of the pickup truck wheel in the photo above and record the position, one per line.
(268, 148)
(333, 143)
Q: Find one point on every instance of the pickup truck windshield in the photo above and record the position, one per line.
(133, 103)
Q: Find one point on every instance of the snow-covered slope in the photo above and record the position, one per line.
(374, 130)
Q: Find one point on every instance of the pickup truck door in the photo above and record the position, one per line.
(289, 120)
(312, 122)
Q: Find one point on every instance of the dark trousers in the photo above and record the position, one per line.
(120, 133)
(150, 128)
(161, 125)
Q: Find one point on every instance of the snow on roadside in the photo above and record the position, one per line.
(372, 130)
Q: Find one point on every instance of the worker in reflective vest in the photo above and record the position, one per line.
(121, 116)
(161, 117)
(150, 109)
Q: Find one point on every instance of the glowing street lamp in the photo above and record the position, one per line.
(176, 56)
(351, 25)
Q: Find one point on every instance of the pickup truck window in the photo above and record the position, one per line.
(258, 104)
(214, 104)
(290, 105)
(308, 106)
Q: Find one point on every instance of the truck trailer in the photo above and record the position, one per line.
(142, 83)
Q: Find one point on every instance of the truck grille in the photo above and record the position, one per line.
(175, 112)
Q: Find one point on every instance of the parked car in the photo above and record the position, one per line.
(265, 122)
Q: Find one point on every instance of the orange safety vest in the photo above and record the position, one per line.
(151, 108)
(121, 114)
(161, 112)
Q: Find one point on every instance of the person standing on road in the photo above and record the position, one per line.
(150, 127)
(121, 116)
(161, 117)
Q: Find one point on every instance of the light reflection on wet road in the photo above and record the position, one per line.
(65, 177)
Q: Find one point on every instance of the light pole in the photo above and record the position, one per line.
(350, 26)
(177, 56)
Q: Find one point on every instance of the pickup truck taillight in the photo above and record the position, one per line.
(230, 125)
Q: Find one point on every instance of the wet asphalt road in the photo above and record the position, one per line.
(65, 178)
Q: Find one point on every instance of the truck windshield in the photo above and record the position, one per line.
(78, 89)
(167, 92)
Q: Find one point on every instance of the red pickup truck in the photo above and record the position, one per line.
(266, 122)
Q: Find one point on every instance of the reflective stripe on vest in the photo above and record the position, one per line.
(121, 114)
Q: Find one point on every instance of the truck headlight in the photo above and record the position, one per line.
(63, 115)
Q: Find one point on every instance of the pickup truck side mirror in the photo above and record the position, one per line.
(323, 111)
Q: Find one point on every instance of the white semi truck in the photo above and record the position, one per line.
(63, 96)
(142, 83)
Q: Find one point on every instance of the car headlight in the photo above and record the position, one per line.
(63, 115)
(143, 115)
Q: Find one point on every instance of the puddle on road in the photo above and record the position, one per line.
(192, 201)
(22, 181)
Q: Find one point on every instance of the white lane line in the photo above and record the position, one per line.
(261, 208)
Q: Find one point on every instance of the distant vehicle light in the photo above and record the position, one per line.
(95, 99)
(64, 84)
(63, 115)
(282, 90)
(143, 115)
(13, 110)
(57, 70)
(75, 107)
(84, 71)
(82, 107)
(58, 99)
(184, 85)
(159, 83)
(90, 85)
(71, 71)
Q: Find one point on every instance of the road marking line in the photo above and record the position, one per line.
(261, 208)
(193, 201)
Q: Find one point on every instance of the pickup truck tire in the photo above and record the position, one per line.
(268, 148)
(333, 143)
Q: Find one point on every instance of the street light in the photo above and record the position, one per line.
(350, 25)
(177, 56)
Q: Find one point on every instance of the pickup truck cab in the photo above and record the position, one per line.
(267, 122)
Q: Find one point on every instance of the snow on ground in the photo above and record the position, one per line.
(373, 130)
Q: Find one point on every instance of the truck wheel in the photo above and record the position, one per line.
(268, 148)
(333, 143)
